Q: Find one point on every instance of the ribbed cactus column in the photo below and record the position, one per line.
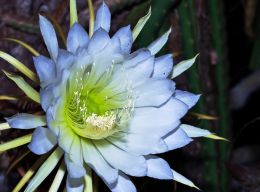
(218, 41)
(189, 32)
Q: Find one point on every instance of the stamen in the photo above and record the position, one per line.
(95, 110)
(106, 121)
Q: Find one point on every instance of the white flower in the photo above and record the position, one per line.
(108, 108)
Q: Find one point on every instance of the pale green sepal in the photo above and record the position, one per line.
(45, 170)
(181, 179)
(73, 12)
(25, 87)
(15, 143)
(182, 66)
(25, 45)
(192, 131)
(216, 137)
(88, 180)
(19, 66)
(140, 24)
(4, 126)
(6, 97)
(16, 161)
(157, 45)
(58, 178)
(91, 18)
(29, 173)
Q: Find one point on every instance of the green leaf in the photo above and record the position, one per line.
(25, 45)
(45, 170)
(15, 142)
(20, 66)
(25, 87)
(58, 178)
(140, 24)
(73, 12)
(183, 66)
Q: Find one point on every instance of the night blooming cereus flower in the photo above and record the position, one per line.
(106, 109)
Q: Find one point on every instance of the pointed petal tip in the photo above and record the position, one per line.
(148, 14)
(216, 137)
(169, 31)
(181, 179)
(183, 66)
(42, 18)
(157, 45)
(194, 186)
(103, 17)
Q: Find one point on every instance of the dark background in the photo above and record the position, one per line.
(227, 36)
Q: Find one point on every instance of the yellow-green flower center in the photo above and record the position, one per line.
(93, 108)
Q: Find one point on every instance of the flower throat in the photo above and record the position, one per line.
(94, 109)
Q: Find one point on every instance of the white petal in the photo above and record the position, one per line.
(108, 56)
(130, 164)
(192, 131)
(181, 179)
(124, 184)
(46, 96)
(45, 69)
(163, 66)
(153, 92)
(103, 18)
(141, 144)
(126, 39)
(65, 138)
(59, 90)
(65, 60)
(186, 97)
(50, 94)
(95, 160)
(74, 159)
(158, 168)
(98, 41)
(49, 36)
(156, 46)
(77, 37)
(177, 139)
(159, 121)
(43, 140)
(75, 170)
(83, 60)
(74, 184)
(54, 116)
(26, 121)
(136, 57)
(137, 74)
